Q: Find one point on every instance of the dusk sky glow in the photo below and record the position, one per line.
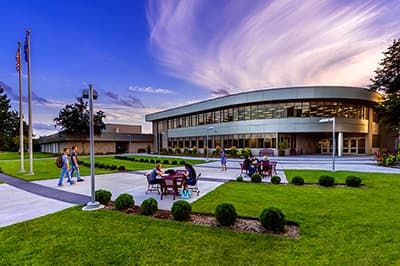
(145, 56)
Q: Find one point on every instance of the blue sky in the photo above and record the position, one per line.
(145, 56)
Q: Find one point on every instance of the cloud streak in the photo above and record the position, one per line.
(128, 101)
(231, 46)
(150, 90)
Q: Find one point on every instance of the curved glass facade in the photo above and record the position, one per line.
(269, 110)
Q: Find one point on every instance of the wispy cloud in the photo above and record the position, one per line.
(129, 101)
(237, 45)
(150, 90)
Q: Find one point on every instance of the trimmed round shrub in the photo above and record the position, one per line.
(174, 162)
(353, 181)
(297, 180)
(326, 181)
(146, 160)
(273, 219)
(158, 161)
(107, 166)
(103, 196)
(165, 162)
(122, 168)
(255, 178)
(152, 161)
(181, 210)
(239, 178)
(225, 214)
(124, 201)
(141, 160)
(149, 207)
(182, 162)
(275, 180)
(101, 165)
(113, 167)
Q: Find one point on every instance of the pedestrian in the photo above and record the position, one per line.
(65, 169)
(223, 160)
(75, 164)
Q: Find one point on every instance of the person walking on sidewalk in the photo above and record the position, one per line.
(223, 160)
(75, 164)
(65, 169)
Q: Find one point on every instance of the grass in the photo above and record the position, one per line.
(339, 226)
(6, 155)
(45, 168)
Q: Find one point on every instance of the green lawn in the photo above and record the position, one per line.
(45, 168)
(6, 155)
(339, 226)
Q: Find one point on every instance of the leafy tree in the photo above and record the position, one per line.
(74, 120)
(387, 81)
(9, 129)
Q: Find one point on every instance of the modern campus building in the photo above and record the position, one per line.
(116, 138)
(278, 119)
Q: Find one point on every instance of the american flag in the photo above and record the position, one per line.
(18, 61)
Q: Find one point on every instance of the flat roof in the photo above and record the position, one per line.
(272, 94)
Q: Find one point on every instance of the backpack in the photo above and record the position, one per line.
(59, 161)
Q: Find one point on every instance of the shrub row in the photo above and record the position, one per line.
(328, 181)
(104, 166)
(146, 160)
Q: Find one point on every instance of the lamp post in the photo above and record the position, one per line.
(159, 143)
(333, 120)
(92, 95)
(207, 130)
(129, 147)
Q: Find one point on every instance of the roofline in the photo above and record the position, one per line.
(149, 118)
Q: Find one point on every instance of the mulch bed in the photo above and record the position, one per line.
(248, 225)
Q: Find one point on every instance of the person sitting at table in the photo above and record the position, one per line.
(190, 176)
(265, 158)
(266, 168)
(154, 173)
(246, 162)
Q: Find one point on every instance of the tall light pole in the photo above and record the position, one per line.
(129, 147)
(92, 204)
(333, 120)
(159, 143)
(207, 130)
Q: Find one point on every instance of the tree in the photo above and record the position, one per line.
(387, 81)
(9, 129)
(74, 120)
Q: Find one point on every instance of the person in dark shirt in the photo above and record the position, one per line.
(75, 164)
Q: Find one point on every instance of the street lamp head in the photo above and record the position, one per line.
(85, 94)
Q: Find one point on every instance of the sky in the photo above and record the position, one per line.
(146, 56)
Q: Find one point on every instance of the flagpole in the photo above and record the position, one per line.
(21, 115)
(28, 40)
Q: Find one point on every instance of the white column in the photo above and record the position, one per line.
(340, 144)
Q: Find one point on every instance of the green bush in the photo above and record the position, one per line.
(273, 219)
(146, 160)
(141, 160)
(101, 165)
(182, 162)
(174, 162)
(107, 166)
(297, 180)
(225, 214)
(275, 180)
(239, 178)
(124, 201)
(158, 161)
(103, 196)
(149, 207)
(165, 162)
(122, 168)
(113, 167)
(152, 161)
(353, 181)
(255, 178)
(326, 181)
(181, 210)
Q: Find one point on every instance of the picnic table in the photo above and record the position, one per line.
(172, 182)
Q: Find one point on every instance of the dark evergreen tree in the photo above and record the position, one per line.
(9, 125)
(74, 120)
(387, 81)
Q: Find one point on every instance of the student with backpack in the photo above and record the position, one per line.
(65, 168)
(75, 164)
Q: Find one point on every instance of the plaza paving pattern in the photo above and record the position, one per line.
(21, 200)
